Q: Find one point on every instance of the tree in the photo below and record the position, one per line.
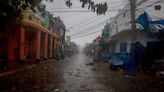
(13, 8)
(100, 8)
(68, 3)
(10, 10)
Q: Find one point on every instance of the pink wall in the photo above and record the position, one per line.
(13, 44)
(22, 43)
(45, 45)
(38, 35)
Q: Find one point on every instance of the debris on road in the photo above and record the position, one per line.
(56, 90)
(90, 63)
(45, 68)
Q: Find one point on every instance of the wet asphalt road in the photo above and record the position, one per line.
(68, 75)
(73, 75)
(79, 77)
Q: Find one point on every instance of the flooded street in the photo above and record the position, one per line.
(75, 75)
(79, 77)
(69, 75)
(82, 46)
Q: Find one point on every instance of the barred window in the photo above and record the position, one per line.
(157, 7)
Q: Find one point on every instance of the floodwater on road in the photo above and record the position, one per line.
(79, 77)
(73, 74)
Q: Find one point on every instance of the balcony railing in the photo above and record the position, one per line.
(29, 18)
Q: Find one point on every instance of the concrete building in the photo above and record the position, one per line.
(120, 26)
(34, 37)
(142, 47)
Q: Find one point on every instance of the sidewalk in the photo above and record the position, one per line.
(20, 67)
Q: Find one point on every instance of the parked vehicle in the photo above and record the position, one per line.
(115, 63)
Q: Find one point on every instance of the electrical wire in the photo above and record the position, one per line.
(64, 8)
(111, 3)
(84, 11)
(141, 7)
(84, 21)
(96, 31)
(72, 15)
(97, 18)
(87, 34)
(124, 23)
(86, 29)
(149, 5)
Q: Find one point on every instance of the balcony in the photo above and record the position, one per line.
(29, 18)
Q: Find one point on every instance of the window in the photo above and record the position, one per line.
(124, 14)
(157, 7)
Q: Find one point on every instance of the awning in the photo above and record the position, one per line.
(157, 22)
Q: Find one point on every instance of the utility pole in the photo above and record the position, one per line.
(134, 36)
(94, 52)
(133, 16)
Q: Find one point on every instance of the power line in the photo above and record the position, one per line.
(111, 3)
(98, 30)
(64, 8)
(87, 34)
(137, 10)
(97, 18)
(75, 15)
(84, 32)
(71, 15)
(115, 2)
(91, 26)
(84, 21)
(95, 31)
(141, 7)
(84, 11)
(86, 29)
(150, 5)
(67, 11)
(155, 16)
(101, 30)
(120, 24)
(152, 15)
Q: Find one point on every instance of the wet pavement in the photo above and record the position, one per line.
(74, 75)
(79, 77)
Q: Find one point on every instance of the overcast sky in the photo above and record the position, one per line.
(83, 27)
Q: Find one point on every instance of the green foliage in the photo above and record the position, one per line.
(68, 3)
(11, 9)
(50, 0)
(99, 8)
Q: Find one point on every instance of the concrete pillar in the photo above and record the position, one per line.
(57, 42)
(45, 45)
(22, 43)
(51, 41)
(38, 34)
(54, 47)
